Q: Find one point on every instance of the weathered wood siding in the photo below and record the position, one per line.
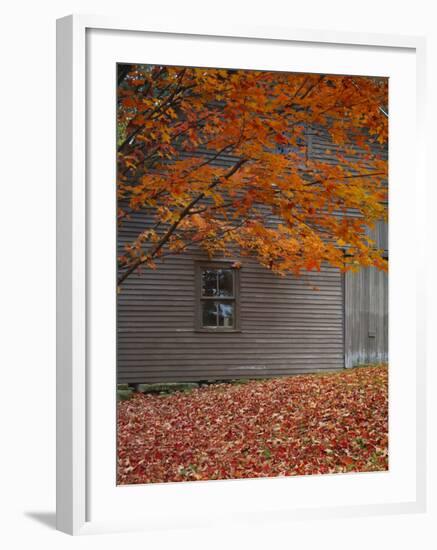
(366, 317)
(366, 310)
(366, 292)
(287, 326)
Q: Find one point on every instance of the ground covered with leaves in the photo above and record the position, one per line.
(305, 424)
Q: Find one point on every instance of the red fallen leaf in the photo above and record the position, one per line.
(301, 425)
(129, 102)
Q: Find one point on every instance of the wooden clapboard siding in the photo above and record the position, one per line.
(287, 326)
(366, 292)
(321, 148)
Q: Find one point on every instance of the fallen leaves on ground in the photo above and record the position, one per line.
(305, 424)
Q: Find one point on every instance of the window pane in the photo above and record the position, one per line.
(226, 314)
(209, 313)
(209, 282)
(225, 282)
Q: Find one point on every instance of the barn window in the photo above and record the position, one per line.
(217, 300)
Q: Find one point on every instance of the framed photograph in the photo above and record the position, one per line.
(240, 275)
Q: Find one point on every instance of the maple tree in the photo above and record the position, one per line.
(297, 425)
(273, 201)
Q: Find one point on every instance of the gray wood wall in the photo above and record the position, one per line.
(366, 317)
(366, 310)
(287, 326)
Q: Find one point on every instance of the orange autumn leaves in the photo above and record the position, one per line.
(221, 159)
(306, 424)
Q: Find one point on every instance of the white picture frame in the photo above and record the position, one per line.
(75, 379)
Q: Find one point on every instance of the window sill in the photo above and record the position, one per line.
(217, 331)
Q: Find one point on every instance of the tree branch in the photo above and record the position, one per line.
(184, 212)
(369, 175)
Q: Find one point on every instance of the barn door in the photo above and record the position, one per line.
(366, 317)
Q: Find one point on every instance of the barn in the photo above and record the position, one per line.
(195, 319)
